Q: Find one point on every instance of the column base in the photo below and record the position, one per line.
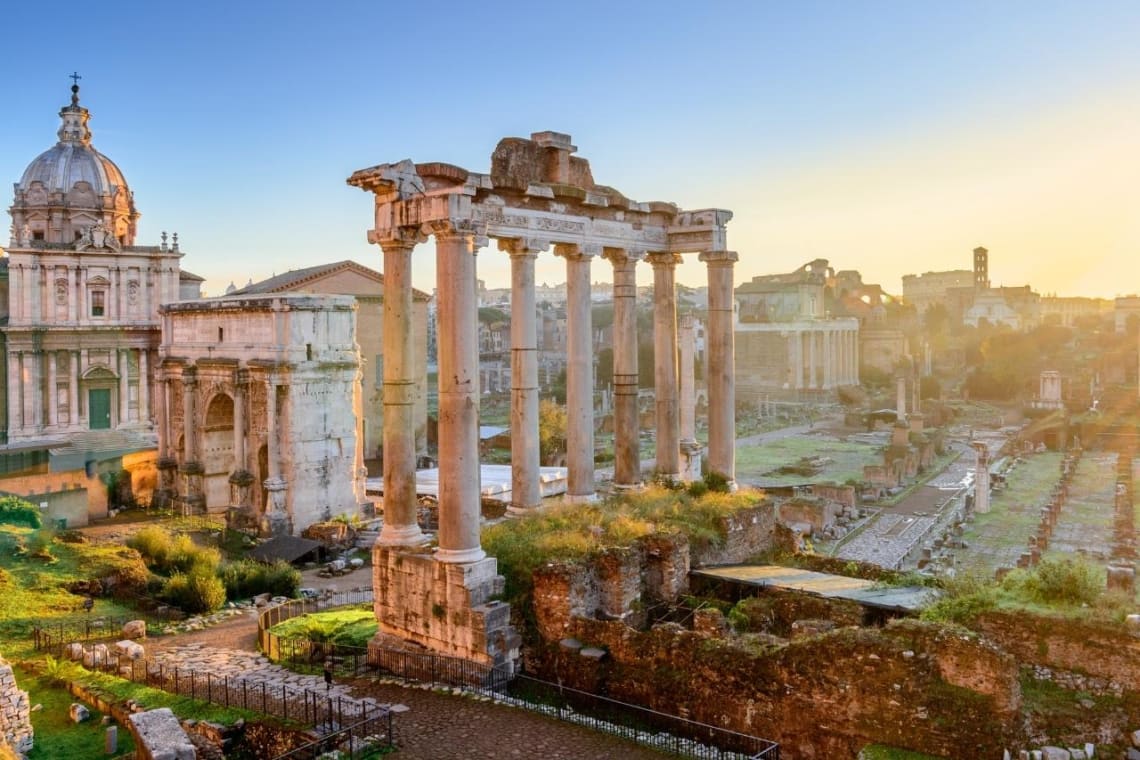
(445, 607)
(401, 535)
(668, 477)
(628, 487)
(521, 511)
(460, 556)
(580, 498)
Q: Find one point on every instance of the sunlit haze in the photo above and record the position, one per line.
(887, 137)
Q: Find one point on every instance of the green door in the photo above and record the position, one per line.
(99, 408)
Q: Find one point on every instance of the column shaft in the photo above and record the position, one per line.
(53, 397)
(721, 374)
(627, 447)
(526, 492)
(190, 422)
(15, 387)
(458, 347)
(272, 445)
(144, 387)
(239, 420)
(668, 436)
(124, 387)
(73, 389)
(688, 391)
(399, 434)
(579, 375)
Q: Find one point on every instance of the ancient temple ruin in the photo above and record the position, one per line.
(537, 197)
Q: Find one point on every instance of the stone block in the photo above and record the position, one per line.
(161, 736)
(1055, 753)
(592, 653)
(1121, 578)
(74, 651)
(1136, 738)
(78, 713)
(129, 649)
(134, 629)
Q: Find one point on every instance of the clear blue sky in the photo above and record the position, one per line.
(890, 137)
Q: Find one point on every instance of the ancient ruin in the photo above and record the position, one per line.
(537, 196)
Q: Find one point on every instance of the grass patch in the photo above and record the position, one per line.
(33, 591)
(117, 689)
(755, 464)
(353, 626)
(56, 736)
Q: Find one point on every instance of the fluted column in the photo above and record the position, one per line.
(579, 374)
(53, 397)
(668, 433)
(627, 452)
(162, 412)
(526, 492)
(688, 395)
(721, 375)
(399, 394)
(458, 347)
(190, 419)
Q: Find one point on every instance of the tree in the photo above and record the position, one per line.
(551, 429)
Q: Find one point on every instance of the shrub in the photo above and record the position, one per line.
(964, 598)
(39, 544)
(153, 543)
(195, 592)
(186, 556)
(1060, 581)
(246, 578)
(16, 511)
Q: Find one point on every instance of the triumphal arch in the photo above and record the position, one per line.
(538, 196)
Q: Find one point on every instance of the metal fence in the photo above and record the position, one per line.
(360, 739)
(53, 639)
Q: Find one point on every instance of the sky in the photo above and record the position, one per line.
(889, 137)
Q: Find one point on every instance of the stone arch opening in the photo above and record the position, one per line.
(218, 451)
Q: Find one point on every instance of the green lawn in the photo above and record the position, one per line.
(353, 626)
(33, 590)
(753, 463)
(999, 537)
(56, 736)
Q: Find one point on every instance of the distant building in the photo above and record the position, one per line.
(929, 288)
(1125, 308)
(1066, 311)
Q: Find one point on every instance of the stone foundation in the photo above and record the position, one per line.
(447, 608)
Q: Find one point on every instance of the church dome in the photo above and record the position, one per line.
(71, 188)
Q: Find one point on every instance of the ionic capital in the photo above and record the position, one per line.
(468, 231)
(664, 259)
(577, 252)
(719, 258)
(523, 247)
(396, 238)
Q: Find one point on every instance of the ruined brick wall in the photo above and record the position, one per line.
(746, 534)
(1100, 650)
(914, 685)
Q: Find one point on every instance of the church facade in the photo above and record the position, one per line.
(82, 331)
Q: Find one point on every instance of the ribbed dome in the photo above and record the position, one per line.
(71, 189)
(63, 165)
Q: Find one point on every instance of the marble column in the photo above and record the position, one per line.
(241, 380)
(579, 374)
(828, 359)
(73, 389)
(124, 387)
(144, 387)
(900, 397)
(31, 380)
(53, 397)
(458, 349)
(162, 413)
(668, 434)
(687, 380)
(526, 492)
(190, 419)
(276, 519)
(627, 448)
(399, 393)
(15, 387)
(721, 374)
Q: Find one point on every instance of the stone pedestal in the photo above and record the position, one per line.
(692, 454)
(447, 607)
(276, 521)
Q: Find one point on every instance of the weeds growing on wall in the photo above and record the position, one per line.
(574, 532)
